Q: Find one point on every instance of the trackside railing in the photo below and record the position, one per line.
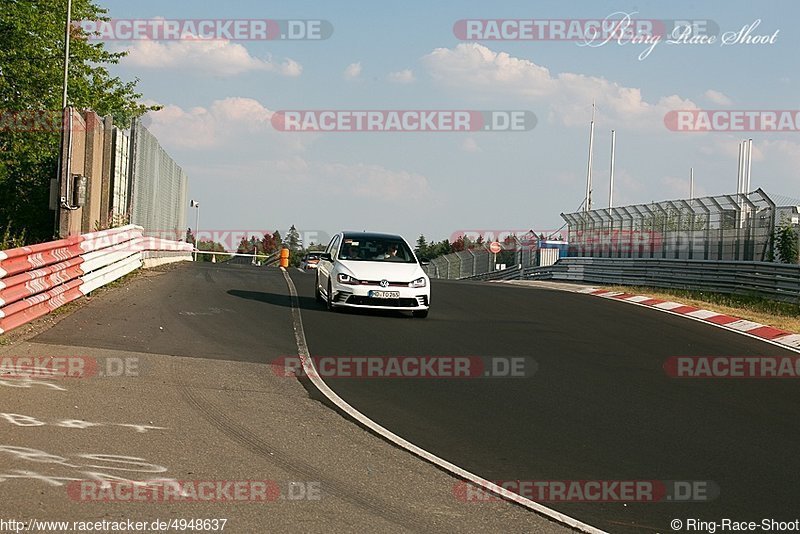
(750, 278)
(512, 273)
(38, 279)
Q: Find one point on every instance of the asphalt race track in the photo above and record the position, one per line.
(599, 407)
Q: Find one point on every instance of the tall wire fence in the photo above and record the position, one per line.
(726, 227)
(480, 260)
(159, 187)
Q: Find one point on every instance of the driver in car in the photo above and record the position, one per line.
(391, 253)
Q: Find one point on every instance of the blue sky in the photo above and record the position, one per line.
(218, 101)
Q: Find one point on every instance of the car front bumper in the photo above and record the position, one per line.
(411, 299)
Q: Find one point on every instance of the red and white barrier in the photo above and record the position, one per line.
(36, 280)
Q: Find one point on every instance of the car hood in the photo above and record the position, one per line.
(376, 270)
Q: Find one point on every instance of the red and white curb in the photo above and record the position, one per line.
(728, 322)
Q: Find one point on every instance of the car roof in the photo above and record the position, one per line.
(370, 235)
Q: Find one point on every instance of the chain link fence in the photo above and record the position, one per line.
(158, 186)
(480, 260)
(725, 227)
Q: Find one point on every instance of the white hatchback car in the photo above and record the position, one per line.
(370, 270)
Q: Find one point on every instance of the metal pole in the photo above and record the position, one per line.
(59, 172)
(67, 29)
(197, 230)
(691, 183)
(196, 205)
(749, 165)
(740, 169)
(611, 180)
(588, 204)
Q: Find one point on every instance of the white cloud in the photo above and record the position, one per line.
(728, 147)
(352, 71)
(679, 187)
(323, 182)
(473, 69)
(202, 128)
(375, 182)
(215, 58)
(290, 68)
(718, 98)
(470, 145)
(402, 76)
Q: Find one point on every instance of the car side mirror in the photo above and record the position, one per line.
(325, 256)
(424, 261)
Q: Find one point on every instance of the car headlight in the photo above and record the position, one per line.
(347, 279)
(419, 282)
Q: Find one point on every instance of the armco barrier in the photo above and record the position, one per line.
(36, 280)
(751, 278)
(511, 273)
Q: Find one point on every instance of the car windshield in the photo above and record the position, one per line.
(376, 249)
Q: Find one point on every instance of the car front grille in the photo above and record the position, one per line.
(378, 283)
(372, 301)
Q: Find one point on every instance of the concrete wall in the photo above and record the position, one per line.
(88, 145)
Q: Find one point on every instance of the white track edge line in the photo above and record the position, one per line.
(308, 367)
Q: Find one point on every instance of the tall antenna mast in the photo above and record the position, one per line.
(587, 206)
(611, 173)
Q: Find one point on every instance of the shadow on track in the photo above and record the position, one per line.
(276, 299)
(309, 303)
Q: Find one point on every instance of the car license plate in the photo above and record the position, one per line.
(385, 294)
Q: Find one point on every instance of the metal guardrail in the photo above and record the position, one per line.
(38, 279)
(770, 280)
(512, 273)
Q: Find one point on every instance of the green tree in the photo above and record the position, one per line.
(786, 245)
(244, 246)
(295, 245)
(293, 241)
(31, 78)
(422, 247)
(211, 246)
